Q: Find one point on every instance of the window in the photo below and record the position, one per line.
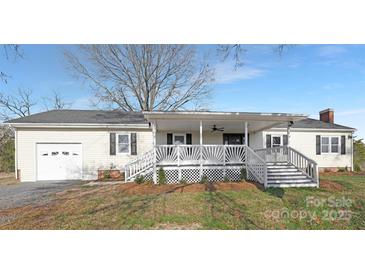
(276, 141)
(179, 139)
(123, 143)
(330, 144)
(334, 144)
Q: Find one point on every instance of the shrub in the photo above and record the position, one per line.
(225, 179)
(161, 176)
(243, 174)
(107, 174)
(342, 169)
(7, 156)
(183, 182)
(139, 179)
(204, 179)
(357, 167)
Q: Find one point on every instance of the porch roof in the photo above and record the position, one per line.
(189, 120)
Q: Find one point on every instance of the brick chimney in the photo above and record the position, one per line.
(327, 115)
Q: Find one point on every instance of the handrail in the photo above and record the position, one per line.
(256, 166)
(305, 164)
(288, 154)
(139, 165)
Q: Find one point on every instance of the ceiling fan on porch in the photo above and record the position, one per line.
(215, 128)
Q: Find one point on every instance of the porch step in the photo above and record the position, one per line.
(286, 177)
(280, 170)
(277, 164)
(289, 180)
(312, 184)
(281, 167)
(283, 174)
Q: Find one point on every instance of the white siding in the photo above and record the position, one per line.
(257, 140)
(305, 142)
(95, 146)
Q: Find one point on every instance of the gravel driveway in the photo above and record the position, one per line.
(31, 193)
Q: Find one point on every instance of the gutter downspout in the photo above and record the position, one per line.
(352, 152)
(16, 153)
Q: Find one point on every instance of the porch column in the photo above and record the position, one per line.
(288, 144)
(246, 134)
(288, 133)
(201, 148)
(201, 132)
(154, 152)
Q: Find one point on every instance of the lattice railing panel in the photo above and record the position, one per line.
(213, 174)
(190, 175)
(172, 176)
(233, 174)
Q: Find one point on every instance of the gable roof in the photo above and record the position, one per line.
(68, 116)
(116, 117)
(309, 123)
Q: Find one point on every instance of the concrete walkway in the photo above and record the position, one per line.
(31, 193)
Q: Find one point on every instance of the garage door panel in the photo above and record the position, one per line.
(59, 162)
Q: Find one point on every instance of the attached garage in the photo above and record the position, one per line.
(59, 161)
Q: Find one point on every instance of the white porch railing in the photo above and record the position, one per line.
(256, 166)
(200, 154)
(215, 160)
(306, 165)
(292, 156)
(139, 165)
(273, 154)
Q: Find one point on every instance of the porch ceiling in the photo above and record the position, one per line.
(231, 121)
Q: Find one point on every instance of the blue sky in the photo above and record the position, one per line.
(305, 79)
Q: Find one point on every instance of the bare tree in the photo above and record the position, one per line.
(144, 77)
(236, 52)
(17, 105)
(55, 102)
(10, 52)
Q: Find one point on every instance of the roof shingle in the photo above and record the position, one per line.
(313, 123)
(83, 117)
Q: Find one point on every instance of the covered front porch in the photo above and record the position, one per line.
(214, 146)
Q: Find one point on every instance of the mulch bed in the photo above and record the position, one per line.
(346, 173)
(330, 186)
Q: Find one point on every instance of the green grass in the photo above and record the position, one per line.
(249, 208)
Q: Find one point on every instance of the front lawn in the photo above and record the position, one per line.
(338, 204)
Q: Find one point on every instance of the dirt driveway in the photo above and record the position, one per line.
(31, 193)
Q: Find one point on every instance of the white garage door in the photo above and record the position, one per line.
(59, 162)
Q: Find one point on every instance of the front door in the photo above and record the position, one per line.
(233, 139)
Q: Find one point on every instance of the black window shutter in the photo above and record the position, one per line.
(188, 139)
(268, 140)
(169, 138)
(285, 140)
(112, 144)
(133, 143)
(318, 144)
(343, 144)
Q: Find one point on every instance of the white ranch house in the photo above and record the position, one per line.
(275, 149)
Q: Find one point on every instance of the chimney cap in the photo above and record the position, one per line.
(326, 110)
